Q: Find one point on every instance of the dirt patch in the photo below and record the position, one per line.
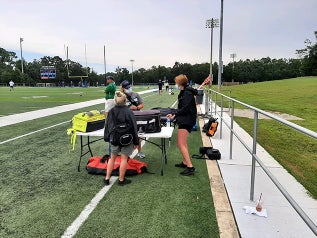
(248, 113)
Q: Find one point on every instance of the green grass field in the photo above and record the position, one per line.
(26, 99)
(42, 193)
(296, 152)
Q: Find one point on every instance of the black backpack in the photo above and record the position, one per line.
(121, 135)
(210, 152)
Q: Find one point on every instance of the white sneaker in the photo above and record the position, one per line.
(141, 155)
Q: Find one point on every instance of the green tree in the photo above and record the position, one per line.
(122, 74)
(309, 57)
(8, 71)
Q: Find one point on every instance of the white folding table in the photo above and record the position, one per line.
(166, 133)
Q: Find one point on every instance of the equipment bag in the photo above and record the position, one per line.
(148, 121)
(210, 127)
(88, 121)
(210, 152)
(98, 165)
(164, 112)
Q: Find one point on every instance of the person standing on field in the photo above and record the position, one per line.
(120, 114)
(135, 103)
(160, 85)
(11, 84)
(109, 94)
(167, 85)
(185, 116)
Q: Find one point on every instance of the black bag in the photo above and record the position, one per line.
(164, 112)
(212, 154)
(121, 134)
(148, 121)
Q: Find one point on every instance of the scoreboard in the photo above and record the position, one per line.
(48, 72)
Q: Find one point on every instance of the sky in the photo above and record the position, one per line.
(155, 33)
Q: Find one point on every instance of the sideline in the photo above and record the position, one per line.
(225, 218)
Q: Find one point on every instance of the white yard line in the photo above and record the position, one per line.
(33, 132)
(27, 116)
(174, 103)
(83, 216)
(73, 228)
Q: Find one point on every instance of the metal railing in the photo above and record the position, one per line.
(209, 95)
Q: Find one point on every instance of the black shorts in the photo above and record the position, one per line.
(186, 127)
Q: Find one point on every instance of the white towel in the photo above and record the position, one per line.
(252, 210)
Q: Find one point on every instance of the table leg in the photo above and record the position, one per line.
(163, 155)
(88, 143)
(164, 149)
(164, 158)
(81, 150)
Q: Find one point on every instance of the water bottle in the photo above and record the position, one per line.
(168, 122)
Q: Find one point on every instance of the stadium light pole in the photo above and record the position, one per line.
(211, 23)
(132, 60)
(220, 47)
(21, 39)
(234, 55)
(104, 60)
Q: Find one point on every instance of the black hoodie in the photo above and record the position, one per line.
(186, 112)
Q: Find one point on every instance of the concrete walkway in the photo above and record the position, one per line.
(282, 220)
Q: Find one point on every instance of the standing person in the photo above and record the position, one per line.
(185, 116)
(167, 86)
(160, 85)
(120, 114)
(109, 94)
(134, 101)
(11, 84)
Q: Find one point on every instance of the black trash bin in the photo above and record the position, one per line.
(199, 97)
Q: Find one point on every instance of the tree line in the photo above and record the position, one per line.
(243, 71)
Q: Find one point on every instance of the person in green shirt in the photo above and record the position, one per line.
(109, 94)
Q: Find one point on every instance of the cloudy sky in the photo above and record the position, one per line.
(155, 32)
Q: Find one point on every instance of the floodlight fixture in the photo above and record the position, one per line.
(234, 55)
(211, 23)
(132, 60)
(21, 39)
(220, 66)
